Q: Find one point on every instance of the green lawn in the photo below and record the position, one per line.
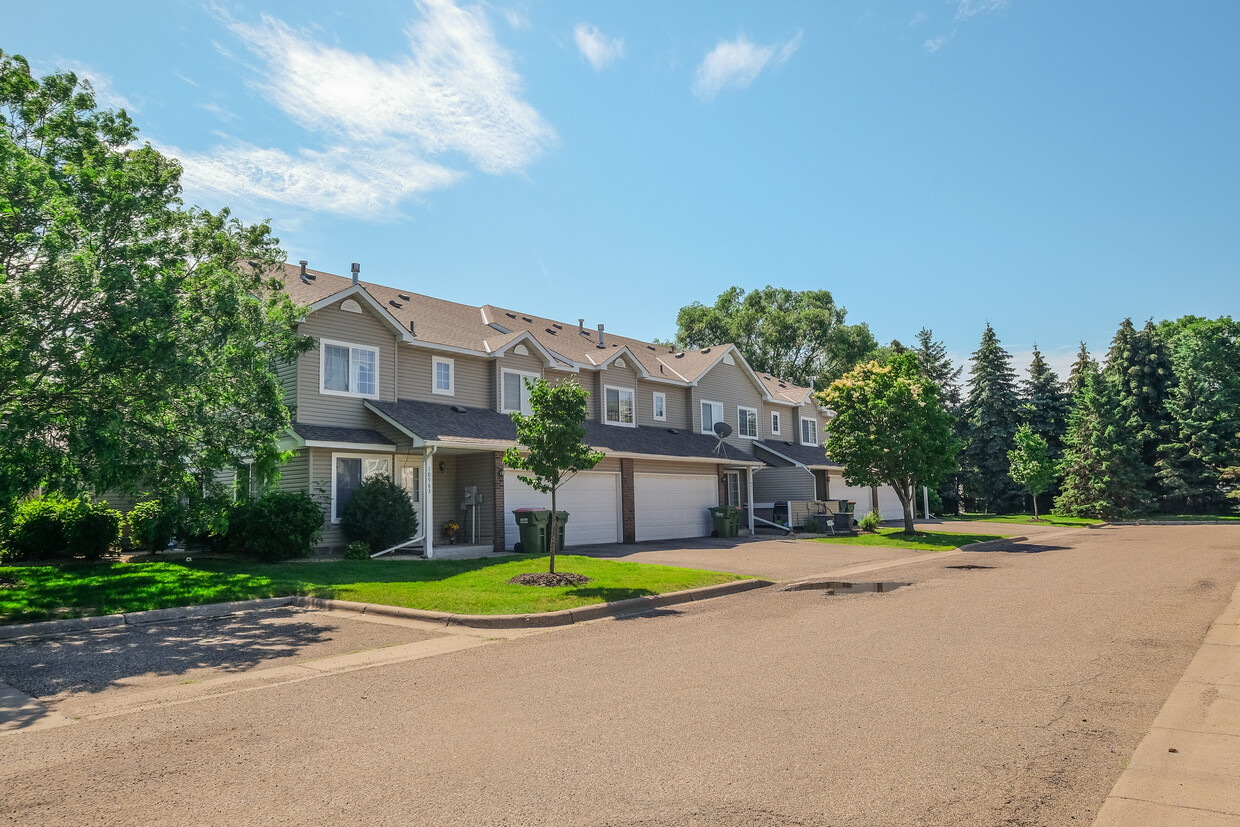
(1024, 519)
(29, 593)
(918, 540)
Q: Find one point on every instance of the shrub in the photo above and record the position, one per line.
(870, 521)
(357, 550)
(379, 514)
(811, 525)
(153, 524)
(38, 530)
(280, 525)
(91, 528)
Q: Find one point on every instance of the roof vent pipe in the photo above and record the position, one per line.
(581, 327)
(357, 269)
(600, 336)
(303, 264)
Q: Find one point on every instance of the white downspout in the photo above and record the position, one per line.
(420, 535)
(749, 494)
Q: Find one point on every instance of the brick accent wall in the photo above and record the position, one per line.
(497, 497)
(627, 508)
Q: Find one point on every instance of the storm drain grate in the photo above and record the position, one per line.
(838, 587)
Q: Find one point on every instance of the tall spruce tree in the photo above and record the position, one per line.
(1141, 369)
(1202, 439)
(990, 419)
(1081, 368)
(1101, 466)
(939, 368)
(1044, 408)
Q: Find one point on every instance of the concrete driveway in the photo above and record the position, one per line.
(1011, 692)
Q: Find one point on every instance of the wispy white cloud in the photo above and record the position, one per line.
(971, 8)
(218, 111)
(935, 43)
(917, 19)
(597, 47)
(390, 128)
(516, 19)
(737, 63)
(188, 80)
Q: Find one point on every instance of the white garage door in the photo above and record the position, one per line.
(888, 503)
(670, 506)
(592, 501)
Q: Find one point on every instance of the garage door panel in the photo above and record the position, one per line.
(591, 499)
(672, 506)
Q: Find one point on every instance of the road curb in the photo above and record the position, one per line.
(1174, 522)
(563, 617)
(85, 624)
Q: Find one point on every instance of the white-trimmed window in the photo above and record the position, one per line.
(443, 376)
(348, 471)
(775, 423)
(514, 395)
(618, 406)
(809, 431)
(348, 370)
(747, 422)
(712, 412)
(660, 406)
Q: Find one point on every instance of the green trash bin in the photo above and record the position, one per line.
(726, 519)
(532, 525)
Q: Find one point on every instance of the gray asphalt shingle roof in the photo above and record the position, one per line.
(810, 455)
(332, 433)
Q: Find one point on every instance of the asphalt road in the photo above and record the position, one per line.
(1008, 695)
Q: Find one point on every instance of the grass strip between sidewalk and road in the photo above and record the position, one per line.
(32, 593)
(1023, 519)
(918, 540)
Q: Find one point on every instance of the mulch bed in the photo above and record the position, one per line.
(546, 578)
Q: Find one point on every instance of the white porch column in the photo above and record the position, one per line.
(428, 503)
(749, 494)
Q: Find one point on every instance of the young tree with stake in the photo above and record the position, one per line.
(552, 436)
(1030, 464)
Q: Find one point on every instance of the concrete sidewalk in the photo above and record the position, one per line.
(1186, 771)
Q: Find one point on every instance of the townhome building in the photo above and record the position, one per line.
(421, 388)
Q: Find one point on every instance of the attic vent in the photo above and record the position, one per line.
(521, 350)
(526, 319)
(728, 360)
(395, 303)
(552, 332)
(680, 355)
(511, 315)
(620, 363)
(403, 296)
(672, 431)
(649, 347)
(706, 350)
(350, 306)
(782, 385)
(557, 326)
(303, 264)
(660, 367)
(411, 330)
(459, 408)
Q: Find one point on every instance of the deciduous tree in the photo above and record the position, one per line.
(137, 338)
(1030, 465)
(552, 435)
(890, 428)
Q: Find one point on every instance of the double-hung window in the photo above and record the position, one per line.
(443, 380)
(515, 396)
(747, 422)
(348, 471)
(712, 412)
(618, 406)
(660, 406)
(775, 423)
(809, 432)
(348, 370)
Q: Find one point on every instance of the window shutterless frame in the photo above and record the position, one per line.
(775, 423)
(358, 369)
(621, 396)
(523, 393)
(367, 465)
(443, 376)
(712, 412)
(809, 432)
(747, 422)
(659, 406)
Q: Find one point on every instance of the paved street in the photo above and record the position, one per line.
(1011, 694)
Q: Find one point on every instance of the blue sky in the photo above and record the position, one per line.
(1048, 166)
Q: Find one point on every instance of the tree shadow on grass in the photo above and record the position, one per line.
(93, 661)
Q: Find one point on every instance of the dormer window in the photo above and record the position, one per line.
(514, 395)
(348, 370)
(809, 432)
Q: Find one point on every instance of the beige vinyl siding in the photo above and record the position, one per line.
(471, 469)
(610, 464)
(295, 474)
(511, 361)
(788, 483)
(658, 466)
(471, 381)
(320, 472)
(587, 380)
(286, 372)
(618, 377)
(730, 386)
(676, 405)
(363, 328)
(446, 494)
(787, 423)
(807, 412)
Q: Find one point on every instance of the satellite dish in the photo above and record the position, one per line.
(722, 430)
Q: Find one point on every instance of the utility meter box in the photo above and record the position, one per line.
(471, 495)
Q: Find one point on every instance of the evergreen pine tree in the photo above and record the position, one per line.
(1101, 465)
(938, 366)
(1081, 368)
(990, 417)
(1141, 369)
(1044, 408)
